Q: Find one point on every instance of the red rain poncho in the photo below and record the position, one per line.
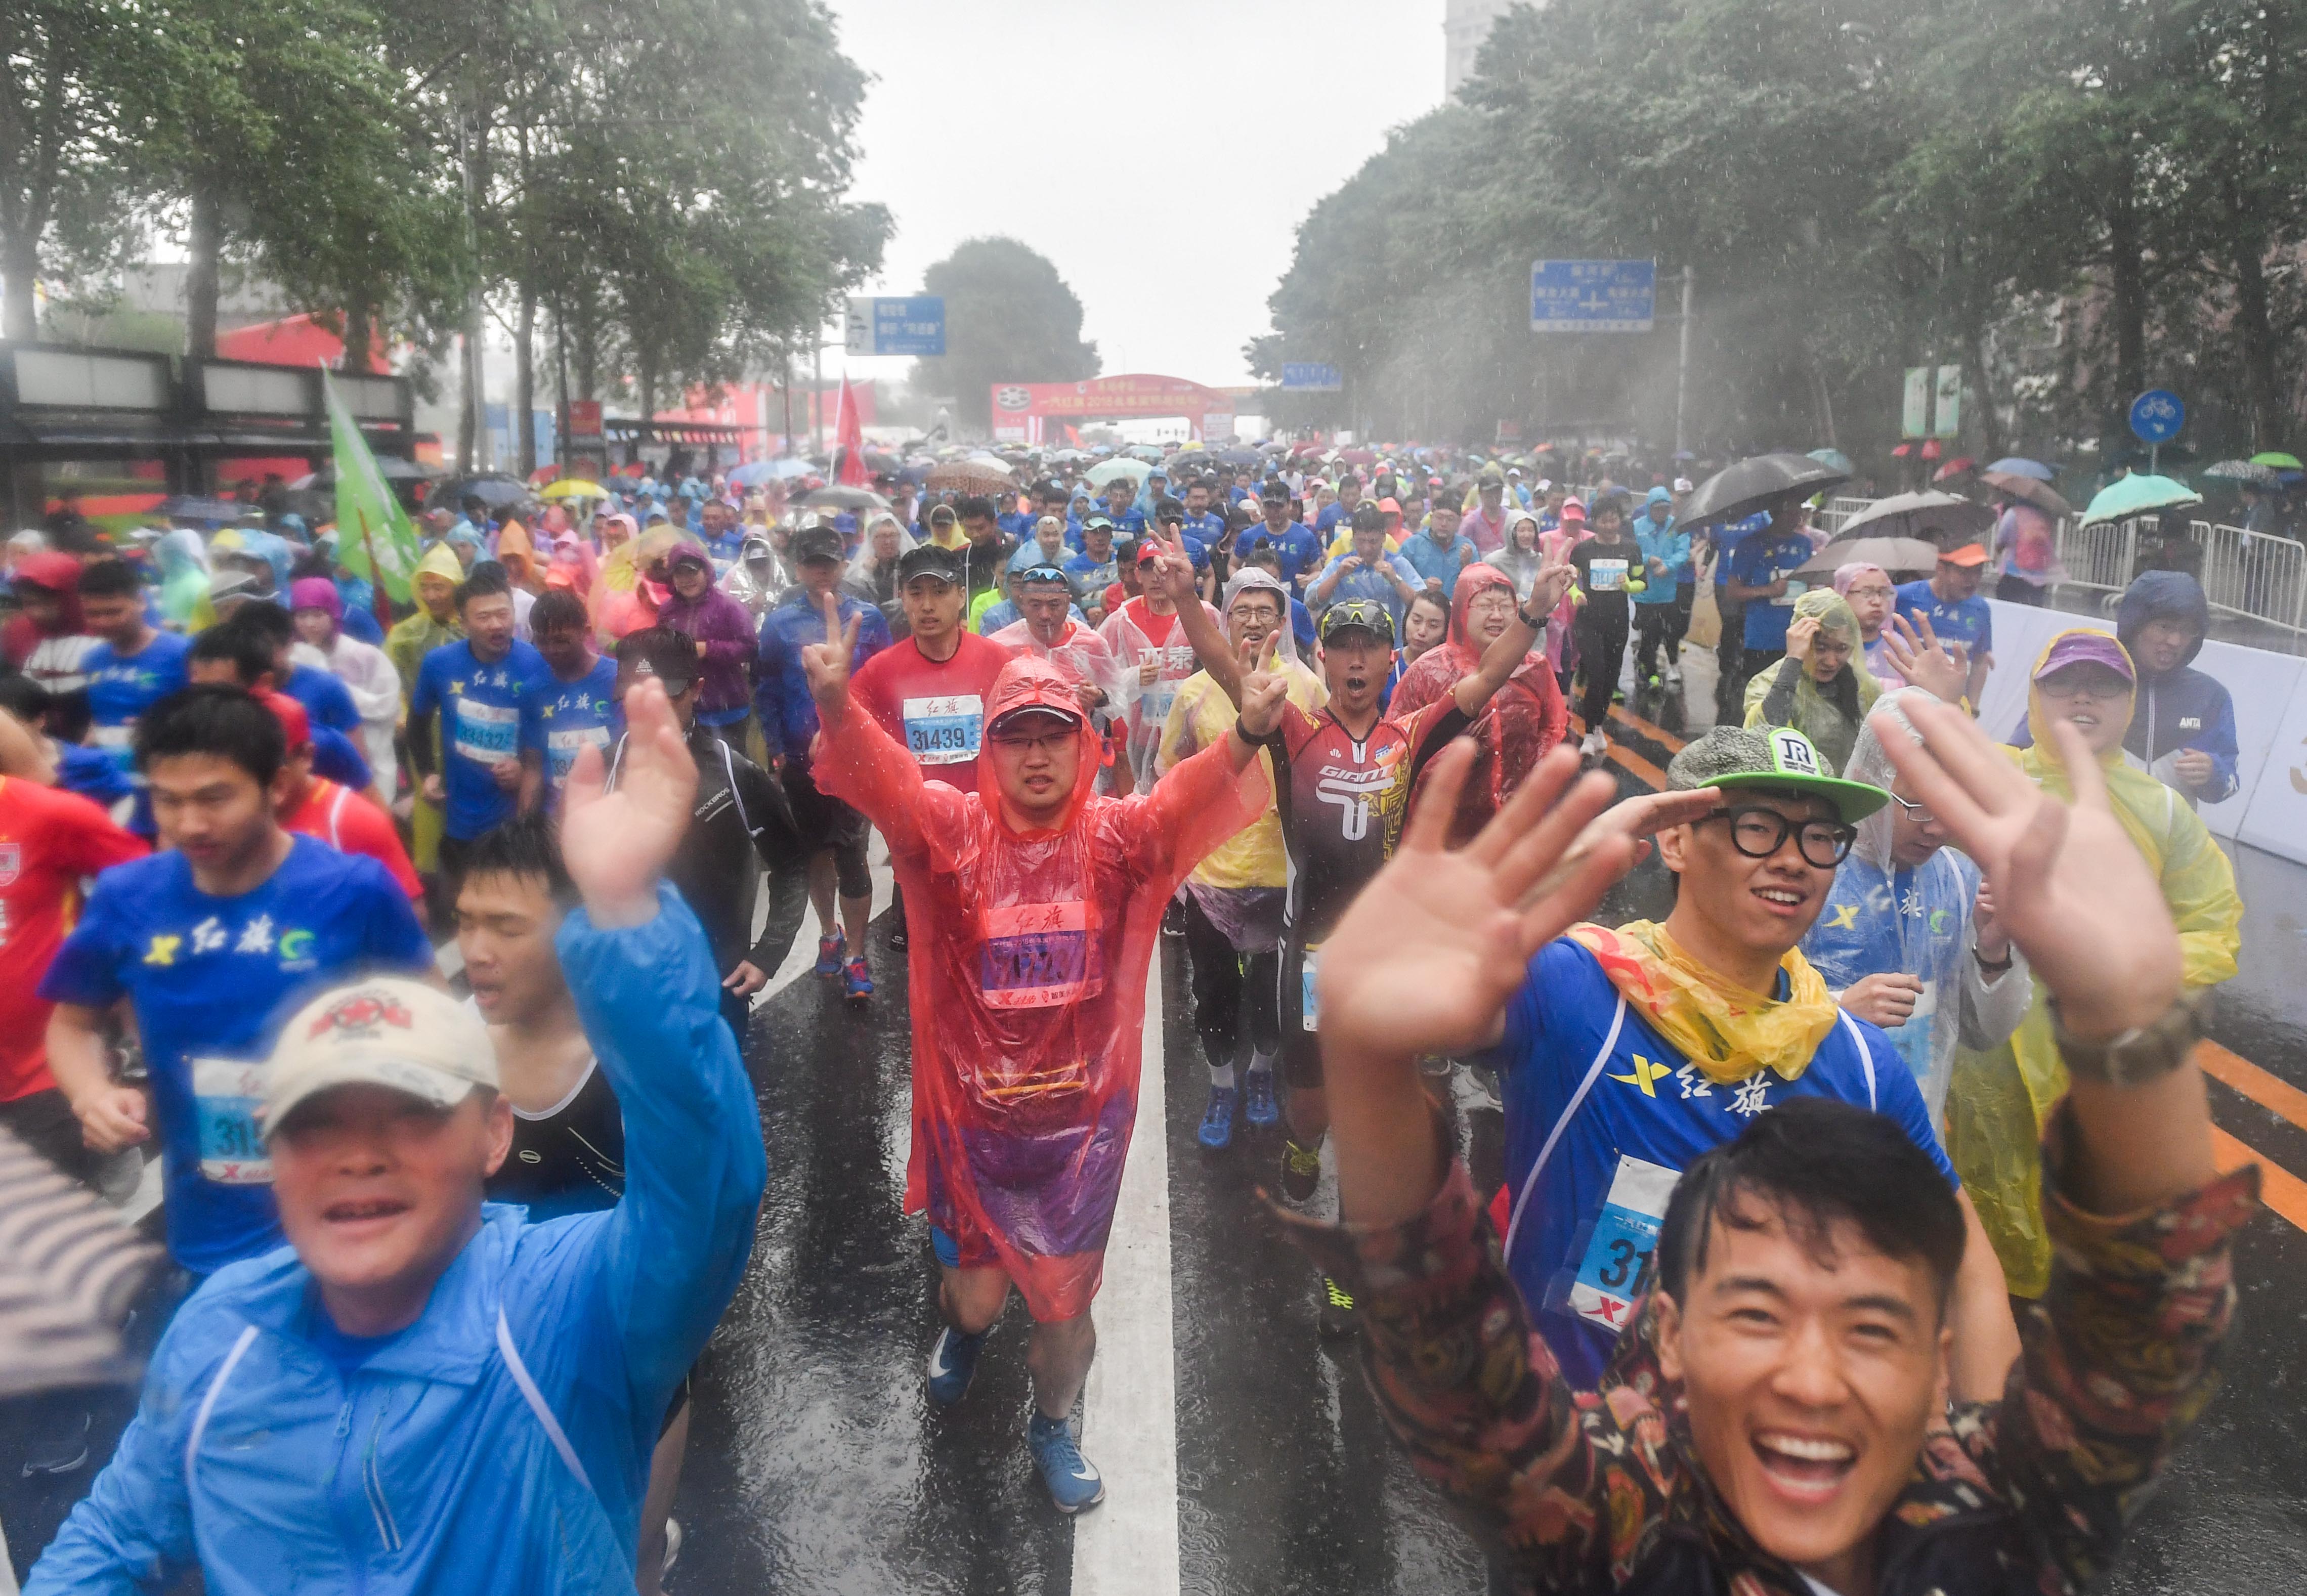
(1524, 720)
(1027, 973)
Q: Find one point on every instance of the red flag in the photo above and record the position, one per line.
(849, 441)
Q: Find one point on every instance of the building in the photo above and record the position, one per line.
(1465, 25)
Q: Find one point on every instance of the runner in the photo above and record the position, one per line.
(577, 702)
(211, 940)
(1608, 565)
(726, 640)
(232, 655)
(1037, 903)
(1948, 599)
(1144, 631)
(1663, 608)
(486, 692)
(311, 805)
(1779, 1424)
(1760, 569)
(132, 667)
(364, 668)
(47, 639)
(740, 813)
(504, 1380)
(833, 832)
(432, 625)
(326, 700)
(1341, 780)
(1234, 899)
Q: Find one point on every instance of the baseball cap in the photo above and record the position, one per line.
(1778, 760)
(296, 725)
(815, 543)
(1050, 707)
(1385, 507)
(1969, 553)
(1089, 522)
(662, 652)
(387, 1031)
(943, 515)
(929, 560)
(2084, 646)
(1365, 613)
(1371, 518)
(1146, 549)
(687, 554)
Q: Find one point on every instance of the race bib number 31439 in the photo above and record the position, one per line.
(944, 730)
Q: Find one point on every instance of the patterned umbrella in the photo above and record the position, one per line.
(978, 474)
(2250, 473)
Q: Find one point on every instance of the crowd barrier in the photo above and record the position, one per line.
(2270, 808)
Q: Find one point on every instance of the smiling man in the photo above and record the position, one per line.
(1775, 1423)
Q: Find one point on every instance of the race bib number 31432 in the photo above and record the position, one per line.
(1625, 1234)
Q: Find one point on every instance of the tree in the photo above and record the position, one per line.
(1009, 318)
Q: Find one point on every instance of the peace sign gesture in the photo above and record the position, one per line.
(1264, 692)
(827, 662)
(1173, 568)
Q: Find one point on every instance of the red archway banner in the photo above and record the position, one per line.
(1022, 410)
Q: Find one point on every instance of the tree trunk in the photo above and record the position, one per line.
(204, 246)
(20, 277)
(524, 384)
(2129, 272)
(1992, 438)
(360, 326)
(2254, 330)
(466, 411)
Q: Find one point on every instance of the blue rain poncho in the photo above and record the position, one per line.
(1880, 919)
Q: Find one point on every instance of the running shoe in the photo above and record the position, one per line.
(953, 1364)
(1595, 746)
(829, 950)
(1217, 1119)
(1301, 1169)
(1173, 919)
(856, 979)
(61, 1452)
(1674, 675)
(1258, 1106)
(1073, 1479)
(897, 936)
(1338, 1316)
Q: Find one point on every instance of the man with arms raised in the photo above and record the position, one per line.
(505, 1380)
(1775, 1423)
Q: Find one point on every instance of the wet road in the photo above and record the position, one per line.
(816, 1464)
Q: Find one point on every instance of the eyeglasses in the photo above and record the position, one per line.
(1047, 742)
(2100, 689)
(1914, 811)
(1758, 833)
(1868, 592)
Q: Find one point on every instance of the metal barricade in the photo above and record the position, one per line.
(2100, 556)
(1838, 511)
(2254, 574)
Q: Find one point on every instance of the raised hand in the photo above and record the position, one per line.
(1264, 692)
(1173, 568)
(2068, 886)
(827, 662)
(1552, 580)
(616, 845)
(1799, 635)
(1921, 659)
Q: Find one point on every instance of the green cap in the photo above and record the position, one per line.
(1776, 759)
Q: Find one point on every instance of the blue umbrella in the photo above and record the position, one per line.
(2021, 466)
(1833, 459)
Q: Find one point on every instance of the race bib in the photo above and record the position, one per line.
(945, 730)
(1625, 1235)
(487, 733)
(1039, 955)
(1796, 589)
(227, 1093)
(561, 748)
(119, 746)
(1309, 999)
(1606, 576)
(1927, 1004)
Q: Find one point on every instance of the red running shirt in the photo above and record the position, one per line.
(935, 710)
(351, 824)
(48, 840)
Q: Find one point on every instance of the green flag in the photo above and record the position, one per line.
(375, 537)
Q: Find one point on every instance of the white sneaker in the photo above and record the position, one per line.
(1595, 746)
(1674, 675)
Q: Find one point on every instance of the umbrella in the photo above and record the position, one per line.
(68, 1271)
(978, 474)
(2275, 460)
(842, 498)
(2019, 465)
(1358, 456)
(1891, 553)
(2029, 490)
(186, 509)
(1099, 475)
(574, 487)
(494, 490)
(1911, 515)
(1146, 451)
(2249, 473)
(1758, 483)
(1953, 467)
(2139, 494)
(1833, 459)
(1250, 458)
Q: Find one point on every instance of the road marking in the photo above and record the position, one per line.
(2278, 1187)
(2276, 1095)
(801, 957)
(1637, 766)
(1658, 734)
(1129, 1543)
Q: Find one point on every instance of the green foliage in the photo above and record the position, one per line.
(1009, 318)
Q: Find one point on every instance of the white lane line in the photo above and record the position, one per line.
(803, 955)
(1127, 1546)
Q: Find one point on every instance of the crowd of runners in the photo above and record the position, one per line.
(1859, 1230)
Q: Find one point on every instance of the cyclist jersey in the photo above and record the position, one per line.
(570, 1158)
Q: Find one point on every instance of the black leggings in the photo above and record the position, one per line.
(1601, 649)
(1229, 989)
(1730, 649)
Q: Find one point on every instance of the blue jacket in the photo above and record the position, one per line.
(2183, 708)
(1662, 540)
(781, 683)
(500, 1444)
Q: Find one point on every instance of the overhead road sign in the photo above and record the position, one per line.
(1592, 296)
(911, 327)
(1308, 376)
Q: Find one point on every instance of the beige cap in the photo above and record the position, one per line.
(388, 1031)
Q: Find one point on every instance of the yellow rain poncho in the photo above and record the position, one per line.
(1999, 1100)
(1786, 695)
(410, 640)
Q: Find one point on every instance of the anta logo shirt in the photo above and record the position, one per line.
(211, 978)
(120, 689)
(488, 713)
(935, 709)
(573, 716)
(1617, 1114)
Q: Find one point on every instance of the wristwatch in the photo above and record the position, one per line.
(2138, 1055)
(1535, 622)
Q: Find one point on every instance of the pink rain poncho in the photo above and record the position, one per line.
(1131, 632)
(1027, 970)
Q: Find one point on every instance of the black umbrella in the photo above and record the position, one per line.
(1758, 483)
(493, 489)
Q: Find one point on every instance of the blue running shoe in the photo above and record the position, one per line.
(953, 1364)
(1258, 1104)
(1217, 1119)
(856, 979)
(1073, 1479)
(829, 950)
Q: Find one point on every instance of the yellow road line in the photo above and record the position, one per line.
(2278, 1187)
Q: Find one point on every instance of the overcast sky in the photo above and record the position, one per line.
(1037, 117)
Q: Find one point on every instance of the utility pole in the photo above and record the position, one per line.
(817, 395)
(1682, 358)
(785, 444)
(476, 412)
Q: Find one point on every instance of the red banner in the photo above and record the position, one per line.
(1018, 408)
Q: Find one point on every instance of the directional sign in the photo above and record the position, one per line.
(2157, 416)
(914, 327)
(1307, 376)
(1592, 296)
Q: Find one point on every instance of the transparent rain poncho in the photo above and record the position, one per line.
(1082, 655)
(1027, 967)
(1882, 919)
(1173, 661)
(2000, 1098)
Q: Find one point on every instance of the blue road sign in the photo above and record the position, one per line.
(2157, 416)
(1592, 296)
(914, 326)
(1307, 376)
